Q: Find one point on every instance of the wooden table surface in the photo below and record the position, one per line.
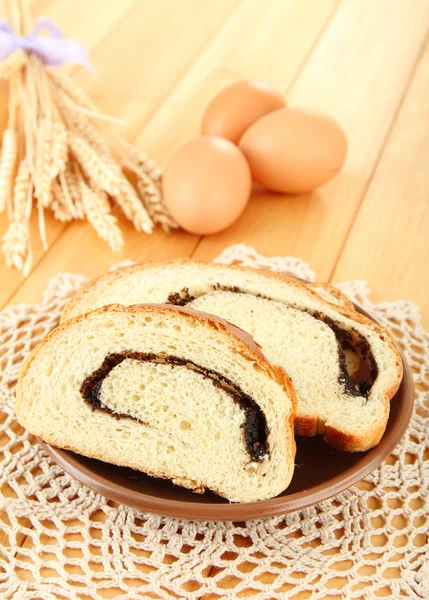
(366, 62)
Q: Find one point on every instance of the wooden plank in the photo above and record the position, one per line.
(244, 24)
(146, 72)
(359, 73)
(388, 244)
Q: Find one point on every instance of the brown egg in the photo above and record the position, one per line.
(236, 107)
(294, 150)
(206, 185)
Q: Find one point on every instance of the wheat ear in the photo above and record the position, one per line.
(81, 125)
(68, 200)
(60, 205)
(72, 184)
(94, 165)
(44, 162)
(59, 149)
(15, 244)
(152, 198)
(104, 223)
(133, 207)
(139, 162)
(148, 185)
(16, 240)
(8, 159)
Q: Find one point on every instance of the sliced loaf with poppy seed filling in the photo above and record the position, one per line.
(352, 414)
(168, 391)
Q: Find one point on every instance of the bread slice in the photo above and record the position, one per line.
(168, 391)
(298, 330)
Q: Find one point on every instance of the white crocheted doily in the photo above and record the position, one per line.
(58, 539)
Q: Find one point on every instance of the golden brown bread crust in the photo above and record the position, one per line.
(284, 380)
(342, 440)
(306, 425)
(309, 427)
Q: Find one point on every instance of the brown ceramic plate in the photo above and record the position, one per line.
(320, 472)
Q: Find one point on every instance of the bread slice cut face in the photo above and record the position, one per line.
(315, 341)
(168, 391)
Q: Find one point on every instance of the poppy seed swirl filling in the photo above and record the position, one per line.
(255, 429)
(347, 339)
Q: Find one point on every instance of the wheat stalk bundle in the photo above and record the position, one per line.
(60, 154)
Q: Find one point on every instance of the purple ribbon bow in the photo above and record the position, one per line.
(54, 49)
